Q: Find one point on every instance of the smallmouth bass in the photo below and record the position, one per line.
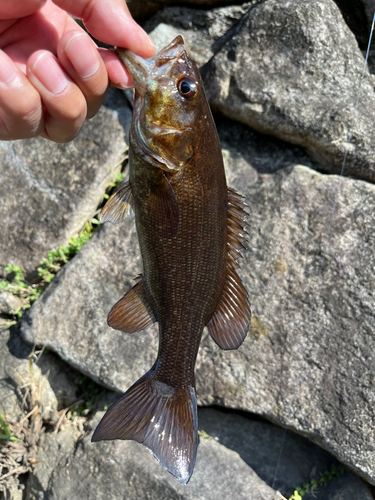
(190, 231)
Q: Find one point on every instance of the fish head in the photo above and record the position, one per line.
(170, 108)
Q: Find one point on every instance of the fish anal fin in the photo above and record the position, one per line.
(119, 206)
(230, 322)
(132, 313)
(162, 418)
(163, 208)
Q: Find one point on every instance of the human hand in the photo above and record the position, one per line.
(52, 75)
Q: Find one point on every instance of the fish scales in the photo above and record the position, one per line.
(183, 276)
(190, 230)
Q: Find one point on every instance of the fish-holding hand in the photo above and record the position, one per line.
(190, 228)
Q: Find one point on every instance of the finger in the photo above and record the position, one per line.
(21, 113)
(9, 9)
(81, 60)
(39, 31)
(113, 25)
(64, 103)
(117, 74)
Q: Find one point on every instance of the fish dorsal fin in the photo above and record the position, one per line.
(163, 208)
(119, 206)
(230, 322)
(132, 313)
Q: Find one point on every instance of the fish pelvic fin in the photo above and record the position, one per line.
(119, 206)
(162, 418)
(230, 322)
(132, 313)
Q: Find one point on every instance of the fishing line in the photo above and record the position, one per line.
(279, 458)
(334, 209)
(350, 135)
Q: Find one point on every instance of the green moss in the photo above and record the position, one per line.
(17, 284)
(5, 432)
(89, 394)
(325, 478)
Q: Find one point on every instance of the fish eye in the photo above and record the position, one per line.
(187, 88)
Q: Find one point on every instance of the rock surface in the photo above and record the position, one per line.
(287, 69)
(281, 458)
(143, 10)
(10, 404)
(125, 469)
(308, 362)
(48, 190)
(239, 458)
(9, 302)
(16, 371)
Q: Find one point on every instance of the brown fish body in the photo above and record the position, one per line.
(190, 229)
(183, 276)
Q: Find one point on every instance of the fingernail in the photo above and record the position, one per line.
(8, 70)
(47, 70)
(83, 55)
(124, 87)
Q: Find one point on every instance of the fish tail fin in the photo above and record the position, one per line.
(162, 418)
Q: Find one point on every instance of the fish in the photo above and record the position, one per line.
(191, 229)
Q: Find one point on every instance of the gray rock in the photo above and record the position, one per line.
(29, 374)
(10, 404)
(289, 69)
(162, 35)
(63, 379)
(308, 363)
(54, 449)
(125, 469)
(143, 10)
(89, 345)
(203, 30)
(48, 190)
(16, 371)
(347, 487)
(369, 10)
(281, 458)
(9, 302)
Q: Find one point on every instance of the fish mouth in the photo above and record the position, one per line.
(141, 69)
(138, 68)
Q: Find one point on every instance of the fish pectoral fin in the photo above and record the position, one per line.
(132, 313)
(230, 322)
(163, 208)
(119, 206)
(162, 418)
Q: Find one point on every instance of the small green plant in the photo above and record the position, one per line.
(49, 267)
(324, 479)
(21, 288)
(55, 260)
(89, 393)
(203, 434)
(5, 432)
(16, 282)
(114, 185)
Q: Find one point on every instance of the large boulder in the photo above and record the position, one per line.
(143, 10)
(48, 190)
(237, 456)
(308, 362)
(289, 69)
(281, 458)
(124, 469)
(22, 380)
